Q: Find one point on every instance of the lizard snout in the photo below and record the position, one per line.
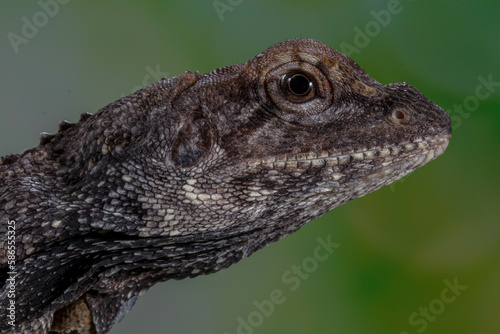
(410, 109)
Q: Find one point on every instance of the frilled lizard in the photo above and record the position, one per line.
(193, 173)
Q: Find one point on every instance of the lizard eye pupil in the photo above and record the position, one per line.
(299, 84)
(298, 87)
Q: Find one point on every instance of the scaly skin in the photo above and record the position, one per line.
(191, 174)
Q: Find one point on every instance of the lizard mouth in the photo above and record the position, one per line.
(421, 149)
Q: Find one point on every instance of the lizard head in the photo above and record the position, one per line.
(294, 132)
(193, 173)
(304, 110)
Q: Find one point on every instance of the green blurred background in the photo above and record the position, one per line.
(398, 245)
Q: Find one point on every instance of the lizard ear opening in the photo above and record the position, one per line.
(193, 142)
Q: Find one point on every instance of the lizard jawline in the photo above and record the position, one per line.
(430, 147)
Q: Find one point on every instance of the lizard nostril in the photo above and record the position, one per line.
(400, 116)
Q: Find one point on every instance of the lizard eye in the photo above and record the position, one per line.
(297, 87)
(300, 92)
